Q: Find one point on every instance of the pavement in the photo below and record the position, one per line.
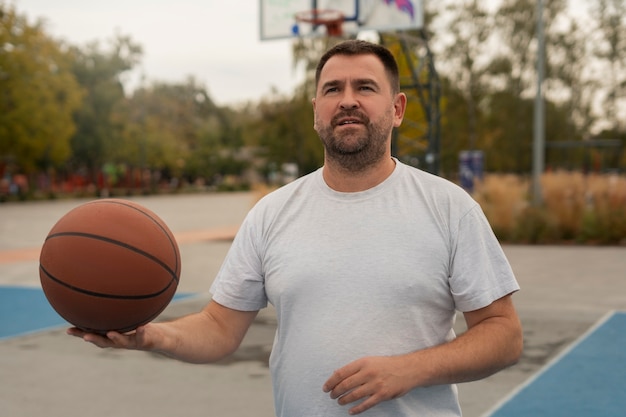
(565, 291)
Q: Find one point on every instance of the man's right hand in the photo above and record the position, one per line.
(136, 340)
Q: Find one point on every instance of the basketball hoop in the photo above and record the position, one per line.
(332, 19)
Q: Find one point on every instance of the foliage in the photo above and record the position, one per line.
(610, 46)
(99, 72)
(535, 226)
(38, 94)
(283, 129)
(470, 27)
(502, 66)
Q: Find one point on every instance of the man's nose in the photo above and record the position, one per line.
(348, 99)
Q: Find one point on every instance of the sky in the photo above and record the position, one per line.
(216, 42)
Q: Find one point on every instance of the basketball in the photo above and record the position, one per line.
(109, 264)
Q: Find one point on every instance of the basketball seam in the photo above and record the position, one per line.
(104, 295)
(155, 221)
(118, 243)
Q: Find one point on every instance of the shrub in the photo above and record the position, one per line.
(536, 226)
(578, 208)
(502, 198)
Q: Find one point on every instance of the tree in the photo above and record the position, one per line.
(38, 95)
(611, 49)
(513, 76)
(283, 129)
(463, 62)
(99, 72)
(176, 129)
(467, 59)
(569, 73)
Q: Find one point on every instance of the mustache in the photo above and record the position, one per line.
(352, 114)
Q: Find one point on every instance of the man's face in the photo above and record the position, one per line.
(355, 110)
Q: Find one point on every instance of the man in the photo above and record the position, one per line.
(366, 261)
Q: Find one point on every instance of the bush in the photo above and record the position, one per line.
(577, 208)
(536, 226)
(502, 198)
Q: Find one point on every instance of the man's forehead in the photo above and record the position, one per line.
(359, 66)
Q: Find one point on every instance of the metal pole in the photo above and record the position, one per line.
(539, 122)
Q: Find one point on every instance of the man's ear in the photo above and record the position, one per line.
(399, 106)
(314, 118)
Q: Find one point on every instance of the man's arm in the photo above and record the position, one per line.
(493, 341)
(203, 337)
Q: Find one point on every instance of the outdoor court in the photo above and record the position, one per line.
(572, 306)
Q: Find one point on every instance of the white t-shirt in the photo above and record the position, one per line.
(378, 272)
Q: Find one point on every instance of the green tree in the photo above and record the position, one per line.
(513, 78)
(176, 129)
(516, 23)
(454, 126)
(464, 64)
(38, 94)
(470, 27)
(99, 72)
(283, 130)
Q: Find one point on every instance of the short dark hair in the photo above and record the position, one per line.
(359, 47)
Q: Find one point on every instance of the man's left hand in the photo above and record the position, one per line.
(371, 379)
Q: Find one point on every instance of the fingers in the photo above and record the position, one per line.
(123, 341)
(348, 385)
(352, 389)
(365, 405)
(75, 331)
(339, 382)
(369, 380)
(109, 340)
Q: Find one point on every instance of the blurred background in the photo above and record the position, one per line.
(120, 99)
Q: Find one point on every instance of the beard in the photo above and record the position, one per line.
(354, 148)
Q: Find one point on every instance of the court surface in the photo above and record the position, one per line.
(573, 359)
(587, 379)
(25, 310)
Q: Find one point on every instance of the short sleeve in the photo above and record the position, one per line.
(240, 282)
(480, 271)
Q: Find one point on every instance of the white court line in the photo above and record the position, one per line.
(550, 364)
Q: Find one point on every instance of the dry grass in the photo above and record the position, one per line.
(577, 208)
(503, 198)
(564, 195)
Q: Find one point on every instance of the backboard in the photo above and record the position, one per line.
(278, 17)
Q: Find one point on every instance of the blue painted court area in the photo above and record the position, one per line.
(588, 379)
(26, 310)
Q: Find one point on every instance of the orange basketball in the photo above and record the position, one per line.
(109, 264)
